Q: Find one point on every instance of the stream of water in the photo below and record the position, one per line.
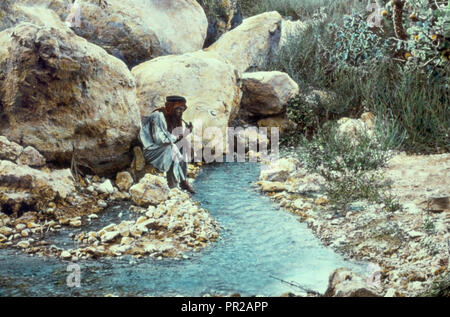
(258, 241)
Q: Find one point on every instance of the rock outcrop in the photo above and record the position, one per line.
(132, 30)
(23, 188)
(266, 93)
(252, 44)
(210, 85)
(62, 94)
(14, 12)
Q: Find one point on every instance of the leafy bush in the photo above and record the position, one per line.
(427, 24)
(349, 165)
(356, 43)
(338, 152)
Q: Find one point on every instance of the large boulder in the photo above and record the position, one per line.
(251, 44)
(345, 283)
(23, 188)
(62, 94)
(9, 150)
(36, 12)
(123, 28)
(278, 171)
(267, 93)
(210, 84)
(132, 30)
(151, 190)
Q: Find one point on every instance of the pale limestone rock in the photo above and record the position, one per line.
(83, 98)
(124, 181)
(278, 171)
(126, 241)
(354, 127)
(267, 93)
(252, 43)
(196, 76)
(4, 220)
(267, 186)
(106, 187)
(151, 190)
(344, 283)
(110, 236)
(65, 255)
(132, 30)
(75, 222)
(6, 231)
(23, 244)
(29, 11)
(21, 184)
(9, 150)
(31, 157)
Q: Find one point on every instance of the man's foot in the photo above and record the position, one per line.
(185, 185)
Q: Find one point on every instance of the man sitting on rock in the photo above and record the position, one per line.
(160, 149)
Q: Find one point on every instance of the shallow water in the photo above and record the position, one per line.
(257, 242)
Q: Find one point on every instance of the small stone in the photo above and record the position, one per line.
(63, 221)
(9, 150)
(110, 236)
(267, 186)
(124, 181)
(23, 244)
(391, 293)
(6, 231)
(126, 241)
(31, 157)
(321, 201)
(76, 222)
(93, 216)
(4, 219)
(25, 233)
(3, 238)
(102, 204)
(31, 225)
(106, 187)
(415, 234)
(20, 226)
(65, 255)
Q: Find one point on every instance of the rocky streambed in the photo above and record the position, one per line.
(258, 245)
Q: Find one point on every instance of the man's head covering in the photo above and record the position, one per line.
(175, 99)
(174, 102)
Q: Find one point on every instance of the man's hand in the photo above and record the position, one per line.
(180, 137)
(190, 126)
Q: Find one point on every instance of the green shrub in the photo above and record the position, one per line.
(356, 43)
(349, 165)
